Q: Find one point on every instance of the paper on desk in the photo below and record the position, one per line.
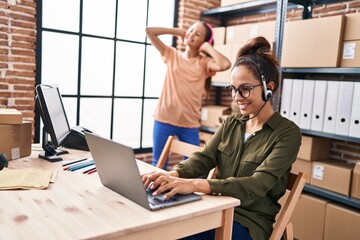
(28, 178)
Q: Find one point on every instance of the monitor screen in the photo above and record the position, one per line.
(52, 112)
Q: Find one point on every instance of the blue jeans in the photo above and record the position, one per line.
(239, 232)
(161, 133)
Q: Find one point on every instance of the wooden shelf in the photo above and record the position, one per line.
(336, 197)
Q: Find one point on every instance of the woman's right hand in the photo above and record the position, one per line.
(148, 178)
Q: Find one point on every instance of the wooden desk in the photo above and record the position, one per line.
(78, 206)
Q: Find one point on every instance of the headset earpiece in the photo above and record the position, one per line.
(267, 94)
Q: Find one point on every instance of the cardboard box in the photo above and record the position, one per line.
(352, 26)
(350, 54)
(313, 42)
(219, 35)
(355, 182)
(241, 34)
(304, 166)
(232, 2)
(10, 116)
(211, 115)
(15, 140)
(230, 51)
(308, 218)
(332, 175)
(341, 223)
(205, 137)
(224, 76)
(314, 148)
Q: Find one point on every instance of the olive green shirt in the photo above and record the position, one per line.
(255, 171)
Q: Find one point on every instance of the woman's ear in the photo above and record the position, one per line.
(270, 86)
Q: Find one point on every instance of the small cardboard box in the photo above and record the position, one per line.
(304, 42)
(352, 25)
(308, 218)
(241, 34)
(304, 166)
(10, 116)
(351, 41)
(205, 137)
(341, 223)
(15, 140)
(350, 54)
(332, 175)
(211, 115)
(355, 182)
(314, 148)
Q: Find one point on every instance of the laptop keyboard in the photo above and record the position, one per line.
(159, 199)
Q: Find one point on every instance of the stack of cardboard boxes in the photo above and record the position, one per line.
(15, 134)
(317, 218)
(319, 42)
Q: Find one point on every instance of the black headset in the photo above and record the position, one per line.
(267, 93)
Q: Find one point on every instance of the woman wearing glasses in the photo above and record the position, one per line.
(253, 150)
(179, 107)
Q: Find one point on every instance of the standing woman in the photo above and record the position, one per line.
(179, 109)
(253, 151)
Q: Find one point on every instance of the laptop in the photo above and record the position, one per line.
(117, 169)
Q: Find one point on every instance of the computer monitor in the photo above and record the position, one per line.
(52, 112)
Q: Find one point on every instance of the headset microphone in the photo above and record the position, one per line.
(267, 94)
(247, 118)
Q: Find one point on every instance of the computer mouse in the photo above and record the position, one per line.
(3, 161)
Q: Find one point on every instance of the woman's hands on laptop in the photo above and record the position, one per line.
(170, 181)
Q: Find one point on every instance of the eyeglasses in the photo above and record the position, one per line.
(244, 91)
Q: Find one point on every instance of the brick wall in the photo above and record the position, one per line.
(17, 54)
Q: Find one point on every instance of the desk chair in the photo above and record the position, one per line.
(173, 145)
(283, 226)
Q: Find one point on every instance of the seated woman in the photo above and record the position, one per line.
(253, 150)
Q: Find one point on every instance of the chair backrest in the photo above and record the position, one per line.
(282, 225)
(173, 145)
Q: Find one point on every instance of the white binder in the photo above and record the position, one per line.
(286, 97)
(331, 106)
(354, 130)
(317, 116)
(307, 104)
(295, 106)
(346, 91)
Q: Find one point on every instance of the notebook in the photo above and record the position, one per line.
(117, 169)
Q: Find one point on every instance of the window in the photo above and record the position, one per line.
(97, 53)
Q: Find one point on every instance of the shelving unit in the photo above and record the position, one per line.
(266, 6)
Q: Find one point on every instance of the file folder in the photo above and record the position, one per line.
(286, 97)
(354, 130)
(317, 116)
(307, 104)
(346, 91)
(331, 106)
(295, 106)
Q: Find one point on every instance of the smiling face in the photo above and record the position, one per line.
(242, 76)
(195, 35)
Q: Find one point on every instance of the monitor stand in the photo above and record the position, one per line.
(50, 153)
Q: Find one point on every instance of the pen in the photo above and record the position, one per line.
(89, 170)
(80, 160)
(78, 164)
(92, 171)
(81, 166)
